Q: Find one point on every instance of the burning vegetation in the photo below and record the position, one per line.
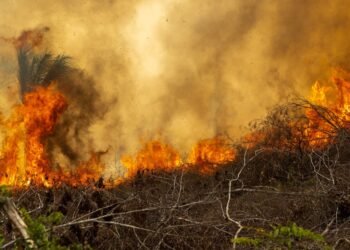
(282, 184)
(310, 137)
(24, 158)
(25, 161)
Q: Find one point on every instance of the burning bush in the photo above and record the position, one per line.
(292, 167)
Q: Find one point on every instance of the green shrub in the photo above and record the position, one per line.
(246, 241)
(287, 235)
(43, 238)
(290, 237)
(38, 228)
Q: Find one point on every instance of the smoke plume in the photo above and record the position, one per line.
(177, 70)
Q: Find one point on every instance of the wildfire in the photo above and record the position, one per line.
(208, 154)
(153, 156)
(331, 110)
(24, 160)
(326, 112)
(204, 158)
(87, 173)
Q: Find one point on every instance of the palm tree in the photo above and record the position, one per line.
(39, 70)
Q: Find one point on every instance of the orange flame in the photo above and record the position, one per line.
(153, 156)
(204, 158)
(334, 96)
(24, 160)
(87, 173)
(327, 111)
(208, 154)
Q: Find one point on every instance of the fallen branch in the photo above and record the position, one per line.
(11, 211)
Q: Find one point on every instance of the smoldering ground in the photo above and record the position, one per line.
(179, 70)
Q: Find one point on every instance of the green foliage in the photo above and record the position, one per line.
(52, 219)
(286, 235)
(37, 229)
(4, 191)
(246, 241)
(290, 237)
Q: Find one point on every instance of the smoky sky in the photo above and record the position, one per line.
(179, 70)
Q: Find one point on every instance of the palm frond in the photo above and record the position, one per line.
(59, 67)
(24, 74)
(40, 66)
(42, 69)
